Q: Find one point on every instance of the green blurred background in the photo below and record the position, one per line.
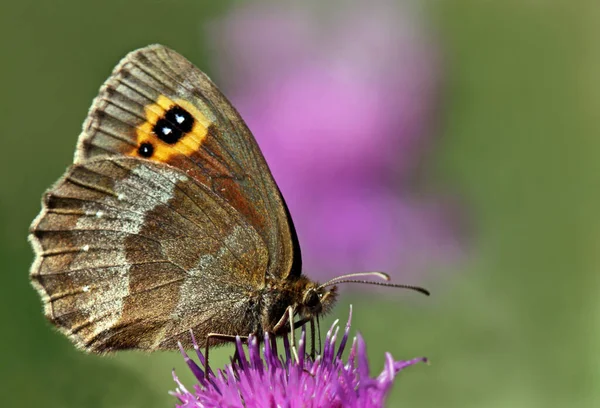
(516, 325)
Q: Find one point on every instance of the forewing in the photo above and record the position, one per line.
(130, 253)
(142, 111)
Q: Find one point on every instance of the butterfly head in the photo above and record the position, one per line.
(317, 299)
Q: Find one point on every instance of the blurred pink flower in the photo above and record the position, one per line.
(342, 106)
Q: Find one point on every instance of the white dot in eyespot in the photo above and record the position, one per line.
(167, 130)
(99, 214)
(121, 197)
(179, 118)
(86, 288)
(86, 248)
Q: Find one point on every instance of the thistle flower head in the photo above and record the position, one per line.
(273, 380)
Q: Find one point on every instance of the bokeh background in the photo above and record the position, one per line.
(452, 143)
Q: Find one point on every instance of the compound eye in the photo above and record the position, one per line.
(312, 299)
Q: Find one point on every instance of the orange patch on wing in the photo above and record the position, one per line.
(189, 142)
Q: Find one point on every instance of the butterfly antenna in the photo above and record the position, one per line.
(335, 280)
(384, 276)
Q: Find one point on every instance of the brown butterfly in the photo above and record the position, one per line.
(169, 221)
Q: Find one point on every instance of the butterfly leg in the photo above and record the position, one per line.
(319, 335)
(295, 325)
(312, 339)
(288, 316)
(301, 323)
(223, 337)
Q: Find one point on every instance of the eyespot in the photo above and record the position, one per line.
(146, 150)
(175, 124)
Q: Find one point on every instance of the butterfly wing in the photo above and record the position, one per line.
(138, 107)
(168, 220)
(131, 254)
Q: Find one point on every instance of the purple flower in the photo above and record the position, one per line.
(272, 380)
(342, 104)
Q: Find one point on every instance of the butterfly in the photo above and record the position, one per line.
(168, 221)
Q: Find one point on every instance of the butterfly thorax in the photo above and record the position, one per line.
(306, 297)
